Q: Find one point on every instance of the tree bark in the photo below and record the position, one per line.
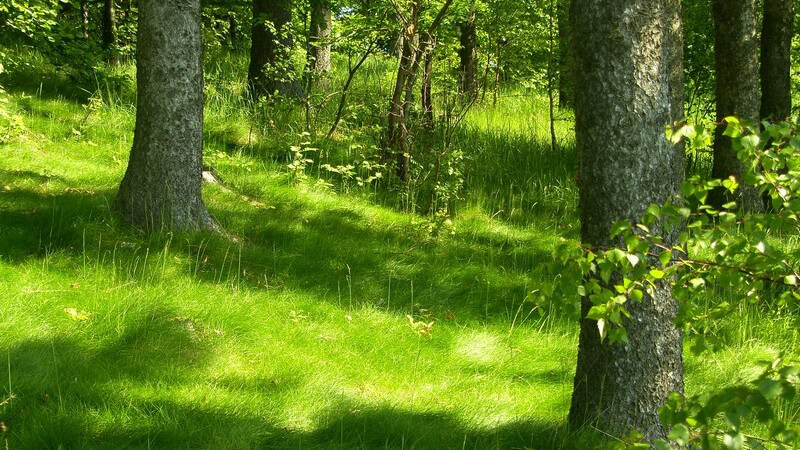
(677, 79)
(427, 92)
(566, 56)
(163, 183)
(736, 60)
(110, 31)
(776, 47)
(622, 103)
(468, 55)
(396, 140)
(270, 68)
(320, 37)
(85, 19)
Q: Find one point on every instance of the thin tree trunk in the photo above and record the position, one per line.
(346, 88)
(427, 91)
(233, 31)
(468, 55)
(270, 68)
(736, 56)
(486, 76)
(162, 184)
(496, 88)
(566, 57)
(550, 87)
(622, 103)
(776, 66)
(110, 31)
(396, 139)
(85, 19)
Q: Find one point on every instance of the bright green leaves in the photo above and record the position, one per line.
(699, 251)
(695, 422)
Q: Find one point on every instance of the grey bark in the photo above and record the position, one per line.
(110, 31)
(566, 56)
(270, 68)
(320, 37)
(677, 81)
(162, 186)
(776, 66)
(468, 55)
(736, 61)
(622, 104)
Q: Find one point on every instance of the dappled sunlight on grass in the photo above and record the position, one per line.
(292, 329)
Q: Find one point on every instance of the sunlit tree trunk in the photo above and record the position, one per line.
(736, 56)
(320, 37)
(622, 104)
(162, 184)
(776, 65)
(85, 19)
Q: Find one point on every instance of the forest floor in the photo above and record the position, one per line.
(305, 326)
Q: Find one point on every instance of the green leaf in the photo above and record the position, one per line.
(619, 227)
(733, 441)
(657, 274)
(679, 433)
(665, 257)
(660, 444)
(633, 259)
(770, 389)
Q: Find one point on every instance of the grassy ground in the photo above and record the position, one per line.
(293, 331)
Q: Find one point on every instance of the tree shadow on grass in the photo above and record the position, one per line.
(149, 385)
(332, 252)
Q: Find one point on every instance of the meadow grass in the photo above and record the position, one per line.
(299, 328)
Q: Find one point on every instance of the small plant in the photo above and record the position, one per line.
(421, 327)
(300, 160)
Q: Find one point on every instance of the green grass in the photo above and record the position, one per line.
(293, 331)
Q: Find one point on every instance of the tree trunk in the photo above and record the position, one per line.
(427, 92)
(566, 56)
(736, 60)
(110, 31)
(776, 46)
(233, 31)
(622, 103)
(320, 38)
(677, 81)
(468, 55)
(163, 183)
(397, 129)
(85, 19)
(270, 68)
(396, 141)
